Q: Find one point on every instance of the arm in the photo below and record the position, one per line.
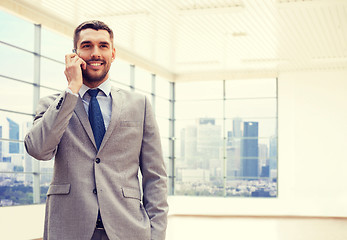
(50, 122)
(53, 115)
(154, 180)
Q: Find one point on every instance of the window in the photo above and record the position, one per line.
(219, 138)
(18, 64)
(143, 80)
(227, 146)
(55, 45)
(16, 31)
(120, 74)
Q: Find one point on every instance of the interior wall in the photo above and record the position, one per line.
(313, 141)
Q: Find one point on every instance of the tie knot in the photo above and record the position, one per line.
(93, 92)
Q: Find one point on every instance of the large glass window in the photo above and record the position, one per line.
(16, 31)
(227, 146)
(143, 80)
(120, 73)
(16, 187)
(16, 96)
(52, 74)
(17, 64)
(55, 45)
(219, 138)
(162, 87)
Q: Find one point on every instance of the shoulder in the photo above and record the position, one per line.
(132, 100)
(130, 96)
(49, 99)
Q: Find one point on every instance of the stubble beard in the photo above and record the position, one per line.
(94, 78)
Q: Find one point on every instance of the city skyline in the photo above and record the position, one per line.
(201, 158)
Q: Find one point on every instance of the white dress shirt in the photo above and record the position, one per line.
(104, 98)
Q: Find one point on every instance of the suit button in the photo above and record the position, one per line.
(97, 160)
(94, 191)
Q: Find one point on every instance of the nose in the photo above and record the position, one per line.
(96, 52)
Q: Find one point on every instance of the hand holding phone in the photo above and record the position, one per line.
(73, 71)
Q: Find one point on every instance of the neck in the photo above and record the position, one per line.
(93, 84)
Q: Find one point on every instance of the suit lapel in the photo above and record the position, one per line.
(83, 117)
(117, 104)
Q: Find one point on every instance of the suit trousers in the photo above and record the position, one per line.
(99, 234)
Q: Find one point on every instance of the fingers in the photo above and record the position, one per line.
(73, 71)
(82, 63)
(69, 57)
(73, 58)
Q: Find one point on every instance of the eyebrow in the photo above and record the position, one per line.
(85, 42)
(107, 43)
(89, 42)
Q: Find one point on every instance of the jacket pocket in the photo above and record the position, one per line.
(131, 193)
(55, 189)
(130, 124)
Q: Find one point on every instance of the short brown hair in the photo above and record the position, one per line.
(93, 24)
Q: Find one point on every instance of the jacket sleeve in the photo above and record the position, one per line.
(154, 178)
(51, 120)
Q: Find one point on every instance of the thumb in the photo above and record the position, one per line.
(83, 65)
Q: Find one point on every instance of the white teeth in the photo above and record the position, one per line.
(95, 64)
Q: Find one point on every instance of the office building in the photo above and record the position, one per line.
(13, 135)
(250, 158)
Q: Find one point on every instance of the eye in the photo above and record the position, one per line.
(85, 46)
(104, 46)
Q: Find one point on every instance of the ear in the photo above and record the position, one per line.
(113, 54)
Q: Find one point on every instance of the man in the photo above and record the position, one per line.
(100, 139)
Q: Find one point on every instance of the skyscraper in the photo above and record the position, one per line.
(28, 160)
(234, 149)
(273, 152)
(0, 143)
(189, 144)
(263, 159)
(13, 135)
(237, 132)
(233, 156)
(208, 144)
(273, 157)
(250, 150)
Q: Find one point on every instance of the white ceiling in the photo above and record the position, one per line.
(210, 39)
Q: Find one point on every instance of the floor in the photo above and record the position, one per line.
(256, 228)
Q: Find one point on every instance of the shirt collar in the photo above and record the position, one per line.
(105, 87)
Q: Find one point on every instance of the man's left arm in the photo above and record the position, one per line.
(154, 178)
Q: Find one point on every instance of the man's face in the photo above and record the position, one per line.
(96, 49)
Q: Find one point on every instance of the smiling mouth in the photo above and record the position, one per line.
(95, 64)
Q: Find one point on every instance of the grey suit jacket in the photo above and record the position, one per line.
(86, 179)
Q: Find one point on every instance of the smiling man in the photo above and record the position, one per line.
(100, 137)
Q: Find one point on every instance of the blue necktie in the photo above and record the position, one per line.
(95, 117)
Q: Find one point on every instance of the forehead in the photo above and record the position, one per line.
(92, 35)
